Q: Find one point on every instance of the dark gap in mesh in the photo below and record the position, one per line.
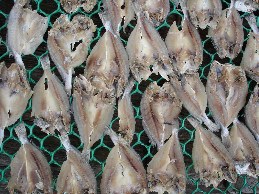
(51, 143)
(47, 7)
(11, 146)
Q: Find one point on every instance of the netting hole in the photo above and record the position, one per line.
(11, 146)
(48, 8)
(51, 143)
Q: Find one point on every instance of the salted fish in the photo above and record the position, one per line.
(71, 6)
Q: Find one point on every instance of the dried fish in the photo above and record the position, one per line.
(15, 93)
(108, 63)
(160, 108)
(93, 110)
(211, 159)
(128, 12)
(247, 5)
(72, 5)
(244, 150)
(227, 89)
(204, 13)
(146, 48)
(250, 60)
(30, 171)
(76, 175)
(50, 104)
(25, 30)
(252, 113)
(166, 170)
(68, 43)
(191, 91)
(124, 171)
(184, 46)
(228, 36)
(126, 114)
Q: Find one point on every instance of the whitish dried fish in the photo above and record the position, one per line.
(72, 5)
(68, 43)
(227, 89)
(126, 114)
(250, 60)
(210, 158)
(108, 63)
(184, 46)
(25, 30)
(30, 171)
(228, 36)
(160, 108)
(50, 104)
(15, 93)
(191, 91)
(124, 172)
(244, 150)
(76, 175)
(146, 48)
(204, 13)
(252, 113)
(93, 110)
(247, 5)
(166, 170)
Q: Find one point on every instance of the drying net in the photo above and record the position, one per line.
(51, 146)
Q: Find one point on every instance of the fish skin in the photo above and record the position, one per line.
(71, 6)
(50, 103)
(246, 5)
(159, 108)
(244, 150)
(25, 30)
(30, 171)
(166, 170)
(252, 113)
(211, 159)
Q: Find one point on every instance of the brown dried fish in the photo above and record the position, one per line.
(15, 93)
(227, 89)
(30, 171)
(184, 46)
(72, 5)
(204, 13)
(76, 175)
(247, 5)
(146, 48)
(25, 30)
(191, 91)
(166, 170)
(93, 110)
(50, 104)
(62, 41)
(124, 172)
(252, 113)
(250, 60)
(210, 158)
(160, 108)
(228, 36)
(244, 150)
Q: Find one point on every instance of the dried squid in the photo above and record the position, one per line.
(227, 89)
(191, 91)
(68, 43)
(25, 30)
(184, 46)
(160, 108)
(15, 93)
(30, 171)
(247, 5)
(250, 60)
(244, 150)
(252, 113)
(166, 170)
(72, 5)
(124, 172)
(211, 159)
(146, 48)
(204, 13)
(228, 36)
(76, 175)
(50, 104)
(93, 110)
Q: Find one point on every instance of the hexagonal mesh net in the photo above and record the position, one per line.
(50, 145)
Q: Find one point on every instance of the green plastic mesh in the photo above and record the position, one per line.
(51, 146)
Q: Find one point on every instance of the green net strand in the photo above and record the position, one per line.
(55, 152)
